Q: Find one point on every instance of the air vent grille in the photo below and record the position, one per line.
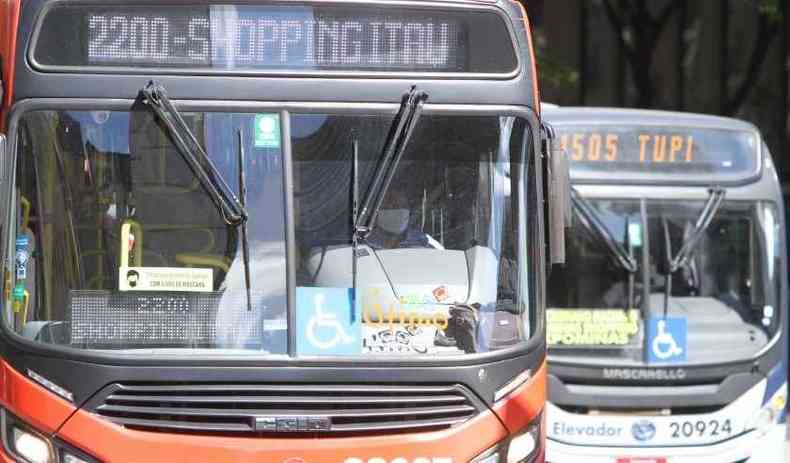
(292, 409)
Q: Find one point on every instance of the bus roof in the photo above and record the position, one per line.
(625, 116)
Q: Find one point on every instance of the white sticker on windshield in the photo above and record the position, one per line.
(635, 234)
(267, 130)
(193, 280)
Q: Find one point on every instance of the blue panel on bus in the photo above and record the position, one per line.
(327, 322)
(667, 340)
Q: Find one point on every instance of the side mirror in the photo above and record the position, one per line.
(558, 196)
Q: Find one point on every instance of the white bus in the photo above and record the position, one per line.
(666, 326)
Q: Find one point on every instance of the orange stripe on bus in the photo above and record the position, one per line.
(523, 405)
(9, 11)
(31, 402)
(528, 31)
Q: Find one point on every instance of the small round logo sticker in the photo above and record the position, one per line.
(643, 430)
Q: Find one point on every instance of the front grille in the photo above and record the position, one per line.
(293, 409)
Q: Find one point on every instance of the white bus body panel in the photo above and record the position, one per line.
(605, 438)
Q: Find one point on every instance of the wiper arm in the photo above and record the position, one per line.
(233, 212)
(401, 131)
(703, 222)
(593, 222)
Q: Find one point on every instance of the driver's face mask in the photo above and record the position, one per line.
(393, 221)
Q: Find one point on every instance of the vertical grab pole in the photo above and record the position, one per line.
(354, 214)
(290, 230)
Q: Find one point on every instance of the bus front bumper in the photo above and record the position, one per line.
(748, 447)
(40, 413)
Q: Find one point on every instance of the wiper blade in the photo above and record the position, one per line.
(668, 277)
(233, 212)
(401, 131)
(245, 241)
(715, 200)
(593, 222)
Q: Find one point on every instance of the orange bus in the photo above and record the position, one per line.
(274, 231)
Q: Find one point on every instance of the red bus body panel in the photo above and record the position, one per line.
(522, 406)
(37, 406)
(113, 443)
(9, 23)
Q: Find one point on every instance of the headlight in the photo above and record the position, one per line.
(522, 447)
(31, 447)
(28, 445)
(770, 413)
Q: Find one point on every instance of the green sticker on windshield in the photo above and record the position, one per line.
(267, 131)
(635, 234)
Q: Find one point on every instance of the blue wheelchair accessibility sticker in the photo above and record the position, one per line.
(326, 322)
(667, 340)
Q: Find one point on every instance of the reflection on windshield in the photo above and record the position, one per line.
(444, 264)
(126, 247)
(590, 219)
(118, 246)
(724, 293)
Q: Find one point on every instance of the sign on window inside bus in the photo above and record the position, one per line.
(604, 328)
(278, 38)
(649, 150)
(115, 320)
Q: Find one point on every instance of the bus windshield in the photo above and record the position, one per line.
(118, 245)
(725, 293)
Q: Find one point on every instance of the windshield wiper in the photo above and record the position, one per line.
(703, 222)
(245, 243)
(593, 223)
(668, 276)
(631, 275)
(401, 131)
(233, 212)
(707, 215)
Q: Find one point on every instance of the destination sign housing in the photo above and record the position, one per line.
(276, 38)
(659, 153)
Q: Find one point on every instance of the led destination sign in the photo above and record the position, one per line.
(103, 319)
(298, 38)
(650, 151)
(262, 38)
